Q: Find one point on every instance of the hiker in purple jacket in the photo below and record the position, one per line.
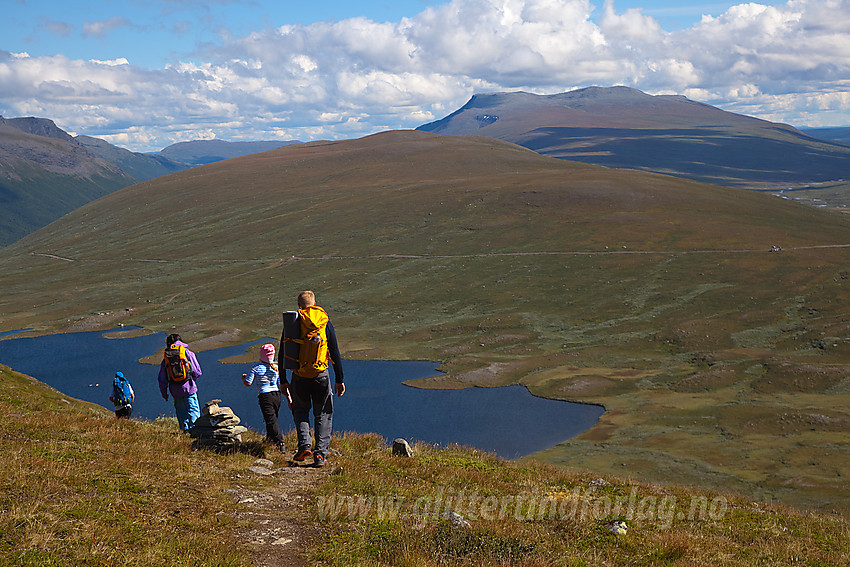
(185, 393)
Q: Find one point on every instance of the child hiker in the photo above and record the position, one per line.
(268, 387)
(122, 396)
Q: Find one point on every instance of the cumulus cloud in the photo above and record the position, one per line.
(786, 62)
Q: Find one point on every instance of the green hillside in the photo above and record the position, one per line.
(43, 178)
(721, 364)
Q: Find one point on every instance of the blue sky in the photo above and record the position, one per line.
(144, 74)
(154, 33)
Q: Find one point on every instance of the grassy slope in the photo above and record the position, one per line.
(82, 488)
(721, 364)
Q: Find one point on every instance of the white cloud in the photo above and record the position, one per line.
(787, 62)
(111, 62)
(101, 28)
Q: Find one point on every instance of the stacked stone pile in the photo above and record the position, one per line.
(217, 428)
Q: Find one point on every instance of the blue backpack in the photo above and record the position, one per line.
(121, 390)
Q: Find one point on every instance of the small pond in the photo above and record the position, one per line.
(508, 420)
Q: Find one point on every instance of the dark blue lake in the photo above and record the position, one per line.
(508, 421)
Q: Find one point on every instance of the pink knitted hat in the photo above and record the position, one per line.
(267, 353)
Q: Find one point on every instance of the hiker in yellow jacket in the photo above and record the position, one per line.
(310, 386)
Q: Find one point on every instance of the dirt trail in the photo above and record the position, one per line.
(273, 521)
(277, 262)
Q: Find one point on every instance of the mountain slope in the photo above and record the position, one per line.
(840, 135)
(139, 166)
(53, 172)
(625, 128)
(658, 297)
(42, 178)
(45, 172)
(38, 127)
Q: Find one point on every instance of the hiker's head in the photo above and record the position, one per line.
(306, 299)
(119, 375)
(267, 353)
(172, 338)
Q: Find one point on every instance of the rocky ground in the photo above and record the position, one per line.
(273, 521)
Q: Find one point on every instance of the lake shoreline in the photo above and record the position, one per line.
(381, 397)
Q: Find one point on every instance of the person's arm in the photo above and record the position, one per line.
(284, 387)
(163, 381)
(194, 365)
(336, 359)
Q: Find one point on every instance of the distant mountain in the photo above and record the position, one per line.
(38, 126)
(840, 135)
(141, 166)
(202, 152)
(626, 128)
(45, 174)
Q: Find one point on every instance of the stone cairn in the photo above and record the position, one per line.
(218, 428)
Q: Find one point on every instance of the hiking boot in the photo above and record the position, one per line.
(301, 455)
(318, 461)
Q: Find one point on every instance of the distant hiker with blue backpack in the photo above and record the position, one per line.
(267, 376)
(122, 396)
(177, 374)
(310, 386)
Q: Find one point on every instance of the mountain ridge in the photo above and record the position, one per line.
(671, 134)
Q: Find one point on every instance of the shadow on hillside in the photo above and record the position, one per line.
(253, 448)
(704, 154)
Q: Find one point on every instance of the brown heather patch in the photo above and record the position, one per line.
(571, 382)
(708, 380)
(787, 377)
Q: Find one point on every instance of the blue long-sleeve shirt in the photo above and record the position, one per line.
(268, 379)
(333, 351)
